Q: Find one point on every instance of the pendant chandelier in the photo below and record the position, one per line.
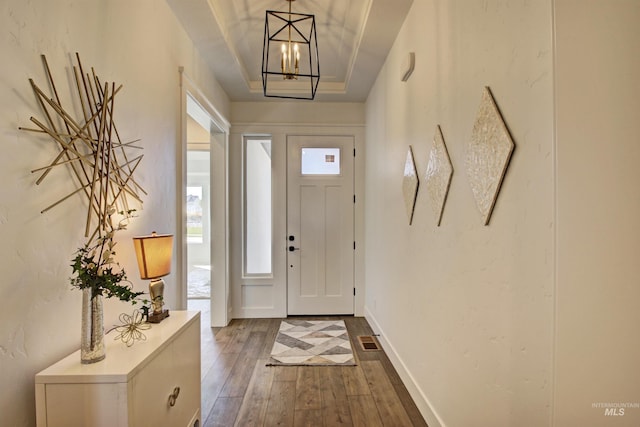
(290, 67)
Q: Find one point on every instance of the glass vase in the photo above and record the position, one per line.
(92, 339)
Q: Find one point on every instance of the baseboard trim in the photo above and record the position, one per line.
(418, 396)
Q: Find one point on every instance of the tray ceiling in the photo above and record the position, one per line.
(354, 37)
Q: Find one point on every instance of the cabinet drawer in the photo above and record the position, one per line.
(150, 390)
(81, 405)
(186, 356)
(175, 371)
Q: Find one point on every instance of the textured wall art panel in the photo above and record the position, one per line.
(438, 175)
(410, 184)
(487, 155)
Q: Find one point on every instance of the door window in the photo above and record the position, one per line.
(320, 161)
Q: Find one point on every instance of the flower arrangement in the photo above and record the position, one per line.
(98, 275)
(94, 266)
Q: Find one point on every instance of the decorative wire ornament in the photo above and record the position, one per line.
(131, 329)
(101, 163)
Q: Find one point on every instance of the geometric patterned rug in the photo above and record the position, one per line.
(312, 343)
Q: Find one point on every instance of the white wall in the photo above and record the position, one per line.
(466, 310)
(597, 77)
(140, 45)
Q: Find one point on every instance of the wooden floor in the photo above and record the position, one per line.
(239, 390)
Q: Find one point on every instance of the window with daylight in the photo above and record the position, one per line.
(257, 206)
(195, 225)
(320, 161)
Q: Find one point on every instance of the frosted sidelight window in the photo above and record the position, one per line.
(320, 161)
(257, 207)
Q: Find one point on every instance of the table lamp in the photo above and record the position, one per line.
(154, 261)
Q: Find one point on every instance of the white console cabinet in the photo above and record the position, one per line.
(132, 386)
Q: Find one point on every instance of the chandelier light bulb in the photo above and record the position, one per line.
(283, 58)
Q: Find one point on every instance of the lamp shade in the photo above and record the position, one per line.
(154, 255)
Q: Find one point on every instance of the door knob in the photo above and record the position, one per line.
(291, 249)
(291, 238)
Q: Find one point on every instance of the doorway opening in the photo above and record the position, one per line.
(198, 202)
(203, 209)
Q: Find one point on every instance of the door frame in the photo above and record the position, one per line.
(275, 293)
(220, 307)
(348, 154)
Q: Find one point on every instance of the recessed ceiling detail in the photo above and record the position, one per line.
(354, 37)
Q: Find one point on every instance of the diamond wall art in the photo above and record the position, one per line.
(487, 155)
(410, 184)
(438, 175)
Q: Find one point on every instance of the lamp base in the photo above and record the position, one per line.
(158, 317)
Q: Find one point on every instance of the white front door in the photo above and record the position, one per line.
(320, 225)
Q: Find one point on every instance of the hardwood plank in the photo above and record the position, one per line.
(358, 326)
(387, 401)
(208, 337)
(224, 412)
(334, 398)
(355, 381)
(402, 392)
(210, 343)
(256, 399)
(209, 357)
(263, 325)
(280, 410)
(308, 388)
(215, 379)
(242, 371)
(308, 418)
(400, 389)
(224, 336)
(364, 412)
(239, 337)
(270, 337)
(285, 373)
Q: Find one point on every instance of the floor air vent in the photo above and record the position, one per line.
(368, 343)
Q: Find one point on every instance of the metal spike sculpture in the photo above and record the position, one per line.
(91, 147)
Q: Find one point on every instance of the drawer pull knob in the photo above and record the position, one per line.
(174, 396)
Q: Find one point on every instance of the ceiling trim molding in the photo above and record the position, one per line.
(358, 34)
(215, 13)
(365, 18)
